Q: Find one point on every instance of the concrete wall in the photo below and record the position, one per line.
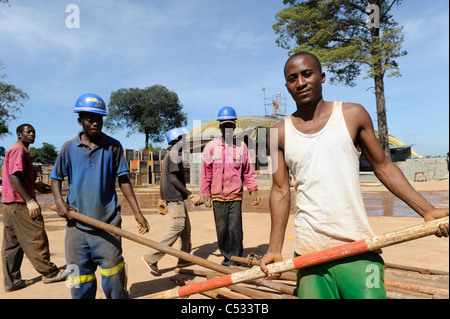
(432, 168)
(195, 167)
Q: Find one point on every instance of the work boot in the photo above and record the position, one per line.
(153, 267)
(21, 284)
(60, 275)
(183, 263)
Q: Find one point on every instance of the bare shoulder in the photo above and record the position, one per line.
(356, 112)
(353, 108)
(277, 132)
(279, 125)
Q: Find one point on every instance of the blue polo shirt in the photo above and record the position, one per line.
(92, 177)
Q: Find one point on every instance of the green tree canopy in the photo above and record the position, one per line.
(2, 153)
(151, 111)
(47, 154)
(339, 34)
(11, 100)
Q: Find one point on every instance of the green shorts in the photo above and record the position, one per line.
(356, 277)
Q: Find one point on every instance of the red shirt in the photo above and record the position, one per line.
(17, 159)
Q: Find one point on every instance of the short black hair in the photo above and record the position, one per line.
(305, 53)
(21, 127)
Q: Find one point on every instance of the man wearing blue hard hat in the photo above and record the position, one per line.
(173, 192)
(92, 161)
(225, 168)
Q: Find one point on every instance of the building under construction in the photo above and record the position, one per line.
(145, 167)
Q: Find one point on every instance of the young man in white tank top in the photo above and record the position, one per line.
(320, 143)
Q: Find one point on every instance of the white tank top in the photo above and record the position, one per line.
(330, 208)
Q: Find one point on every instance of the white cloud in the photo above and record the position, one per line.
(29, 27)
(124, 28)
(238, 39)
(210, 52)
(430, 25)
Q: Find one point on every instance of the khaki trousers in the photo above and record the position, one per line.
(180, 228)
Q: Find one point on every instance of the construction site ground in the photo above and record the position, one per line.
(430, 253)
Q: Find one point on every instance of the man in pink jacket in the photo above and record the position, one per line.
(225, 168)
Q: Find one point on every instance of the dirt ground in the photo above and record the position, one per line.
(429, 253)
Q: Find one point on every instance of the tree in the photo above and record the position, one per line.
(47, 154)
(152, 111)
(2, 154)
(11, 99)
(339, 34)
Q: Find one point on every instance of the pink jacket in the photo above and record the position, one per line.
(225, 169)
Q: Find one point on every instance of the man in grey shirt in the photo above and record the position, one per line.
(173, 191)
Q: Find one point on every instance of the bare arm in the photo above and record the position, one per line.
(392, 177)
(33, 207)
(127, 190)
(61, 205)
(279, 202)
(17, 184)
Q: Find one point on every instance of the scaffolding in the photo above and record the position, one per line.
(274, 106)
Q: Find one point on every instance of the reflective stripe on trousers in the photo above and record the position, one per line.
(105, 272)
(87, 250)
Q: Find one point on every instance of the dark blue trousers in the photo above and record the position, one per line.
(85, 250)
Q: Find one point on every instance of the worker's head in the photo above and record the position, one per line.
(92, 123)
(227, 122)
(304, 54)
(226, 113)
(90, 103)
(26, 134)
(91, 109)
(227, 128)
(304, 78)
(174, 136)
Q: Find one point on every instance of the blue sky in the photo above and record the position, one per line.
(211, 53)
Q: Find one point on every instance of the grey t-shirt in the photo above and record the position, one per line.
(172, 164)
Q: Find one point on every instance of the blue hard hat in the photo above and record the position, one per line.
(173, 134)
(226, 113)
(90, 103)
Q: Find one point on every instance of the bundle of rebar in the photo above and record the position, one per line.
(254, 275)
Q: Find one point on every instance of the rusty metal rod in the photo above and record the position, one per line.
(290, 276)
(243, 290)
(270, 283)
(219, 293)
(248, 261)
(249, 292)
(339, 252)
(148, 242)
(166, 249)
(417, 269)
(417, 288)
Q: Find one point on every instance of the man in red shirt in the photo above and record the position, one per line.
(226, 167)
(23, 223)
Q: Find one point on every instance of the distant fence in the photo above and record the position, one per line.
(145, 166)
